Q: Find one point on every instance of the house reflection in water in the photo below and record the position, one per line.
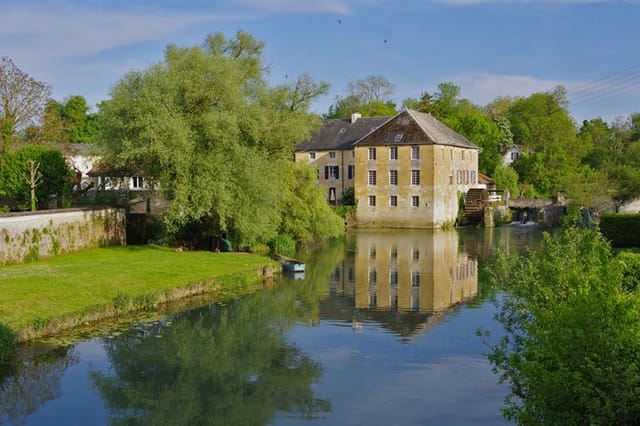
(418, 271)
(404, 279)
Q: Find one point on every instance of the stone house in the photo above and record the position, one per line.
(411, 172)
(406, 171)
(330, 152)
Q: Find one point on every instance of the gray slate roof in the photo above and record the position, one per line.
(438, 132)
(340, 134)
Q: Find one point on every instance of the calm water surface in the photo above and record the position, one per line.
(380, 330)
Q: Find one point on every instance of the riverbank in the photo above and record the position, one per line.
(48, 296)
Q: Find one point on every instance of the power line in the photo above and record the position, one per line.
(608, 91)
(594, 84)
(606, 87)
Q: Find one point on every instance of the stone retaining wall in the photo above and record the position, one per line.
(30, 236)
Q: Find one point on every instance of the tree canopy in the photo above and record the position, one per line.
(216, 137)
(68, 121)
(614, 152)
(22, 101)
(371, 97)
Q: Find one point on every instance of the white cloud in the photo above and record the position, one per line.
(46, 32)
(482, 88)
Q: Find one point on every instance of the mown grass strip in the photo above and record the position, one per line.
(117, 279)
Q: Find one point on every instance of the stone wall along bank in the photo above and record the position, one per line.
(29, 236)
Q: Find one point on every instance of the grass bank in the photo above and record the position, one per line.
(48, 296)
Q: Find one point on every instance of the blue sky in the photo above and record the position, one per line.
(488, 47)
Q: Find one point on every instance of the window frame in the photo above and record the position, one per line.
(415, 152)
(372, 153)
(415, 177)
(393, 153)
(393, 177)
(372, 178)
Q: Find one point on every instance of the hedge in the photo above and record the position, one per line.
(623, 230)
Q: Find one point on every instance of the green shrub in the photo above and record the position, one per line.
(623, 230)
(345, 211)
(7, 342)
(570, 351)
(502, 215)
(56, 176)
(283, 244)
(630, 263)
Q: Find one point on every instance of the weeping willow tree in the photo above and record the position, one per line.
(207, 126)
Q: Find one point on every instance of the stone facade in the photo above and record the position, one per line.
(407, 171)
(431, 201)
(330, 152)
(30, 236)
(335, 170)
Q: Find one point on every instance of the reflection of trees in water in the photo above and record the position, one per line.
(483, 243)
(29, 385)
(230, 366)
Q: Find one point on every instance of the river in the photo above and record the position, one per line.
(381, 329)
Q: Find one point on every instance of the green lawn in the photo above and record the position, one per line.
(73, 283)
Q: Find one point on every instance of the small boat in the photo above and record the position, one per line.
(292, 266)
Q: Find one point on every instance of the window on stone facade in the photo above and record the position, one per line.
(415, 177)
(415, 254)
(393, 177)
(372, 153)
(372, 200)
(371, 178)
(415, 201)
(332, 172)
(415, 152)
(332, 154)
(393, 153)
(473, 176)
(393, 201)
(312, 156)
(350, 171)
(137, 182)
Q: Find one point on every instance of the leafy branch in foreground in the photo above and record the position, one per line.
(571, 352)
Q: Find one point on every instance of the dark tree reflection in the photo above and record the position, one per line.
(31, 383)
(217, 365)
